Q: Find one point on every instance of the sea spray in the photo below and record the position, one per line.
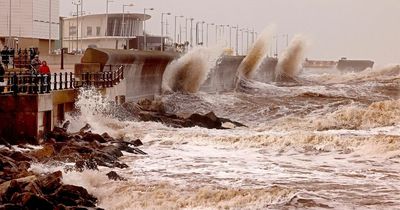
(256, 54)
(289, 63)
(189, 72)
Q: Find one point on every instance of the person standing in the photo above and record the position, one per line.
(5, 57)
(35, 63)
(2, 73)
(44, 68)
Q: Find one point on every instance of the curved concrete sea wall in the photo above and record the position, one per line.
(144, 71)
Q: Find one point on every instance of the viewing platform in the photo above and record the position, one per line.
(31, 104)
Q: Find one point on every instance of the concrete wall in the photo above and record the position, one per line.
(25, 117)
(144, 71)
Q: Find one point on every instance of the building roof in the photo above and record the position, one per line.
(139, 16)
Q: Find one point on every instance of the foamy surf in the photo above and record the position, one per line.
(295, 152)
(190, 71)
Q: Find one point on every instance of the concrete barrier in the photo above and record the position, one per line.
(144, 71)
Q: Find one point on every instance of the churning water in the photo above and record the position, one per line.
(330, 142)
(325, 140)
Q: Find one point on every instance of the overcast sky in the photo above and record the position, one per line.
(357, 29)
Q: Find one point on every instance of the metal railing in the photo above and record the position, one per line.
(26, 83)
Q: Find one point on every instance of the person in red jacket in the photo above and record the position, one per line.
(44, 68)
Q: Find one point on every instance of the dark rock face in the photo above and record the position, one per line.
(209, 120)
(23, 189)
(114, 176)
(147, 110)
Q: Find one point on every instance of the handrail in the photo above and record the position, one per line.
(22, 82)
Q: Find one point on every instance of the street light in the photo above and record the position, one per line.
(191, 32)
(144, 28)
(208, 31)
(77, 3)
(202, 32)
(162, 29)
(107, 3)
(123, 22)
(175, 38)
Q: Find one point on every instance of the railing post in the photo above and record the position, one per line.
(14, 87)
(41, 83)
(122, 72)
(48, 83)
(60, 82)
(55, 81)
(30, 84)
(66, 80)
(70, 80)
(35, 87)
(87, 79)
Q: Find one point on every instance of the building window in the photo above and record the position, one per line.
(72, 30)
(89, 30)
(98, 30)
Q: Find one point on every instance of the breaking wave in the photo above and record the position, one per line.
(256, 54)
(189, 72)
(289, 63)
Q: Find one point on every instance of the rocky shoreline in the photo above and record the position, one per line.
(21, 188)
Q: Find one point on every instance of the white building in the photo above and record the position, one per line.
(114, 31)
(29, 23)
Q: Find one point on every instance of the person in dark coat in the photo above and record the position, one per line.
(2, 73)
(5, 57)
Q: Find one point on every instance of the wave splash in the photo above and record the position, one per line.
(256, 55)
(289, 63)
(189, 72)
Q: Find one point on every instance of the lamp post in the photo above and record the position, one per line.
(197, 33)
(175, 38)
(191, 32)
(186, 29)
(202, 33)
(230, 37)
(208, 31)
(216, 34)
(162, 29)
(77, 3)
(242, 30)
(49, 27)
(9, 25)
(107, 3)
(123, 21)
(144, 28)
(247, 31)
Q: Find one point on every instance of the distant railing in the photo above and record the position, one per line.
(26, 83)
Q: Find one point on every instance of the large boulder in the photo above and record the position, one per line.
(209, 120)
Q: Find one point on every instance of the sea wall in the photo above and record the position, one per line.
(144, 71)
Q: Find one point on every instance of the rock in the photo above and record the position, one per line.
(19, 156)
(113, 151)
(237, 124)
(107, 137)
(10, 206)
(46, 152)
(85, 128)
(59, 134)
(89, 137)
(112, 175)
(65, 126)
(32, 201)
(81, 165)
(70, 195)
(9, 187)
(137, 143)
(209, 120)
(50, 183)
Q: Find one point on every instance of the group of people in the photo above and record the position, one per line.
(38, 66)
(8, 55)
